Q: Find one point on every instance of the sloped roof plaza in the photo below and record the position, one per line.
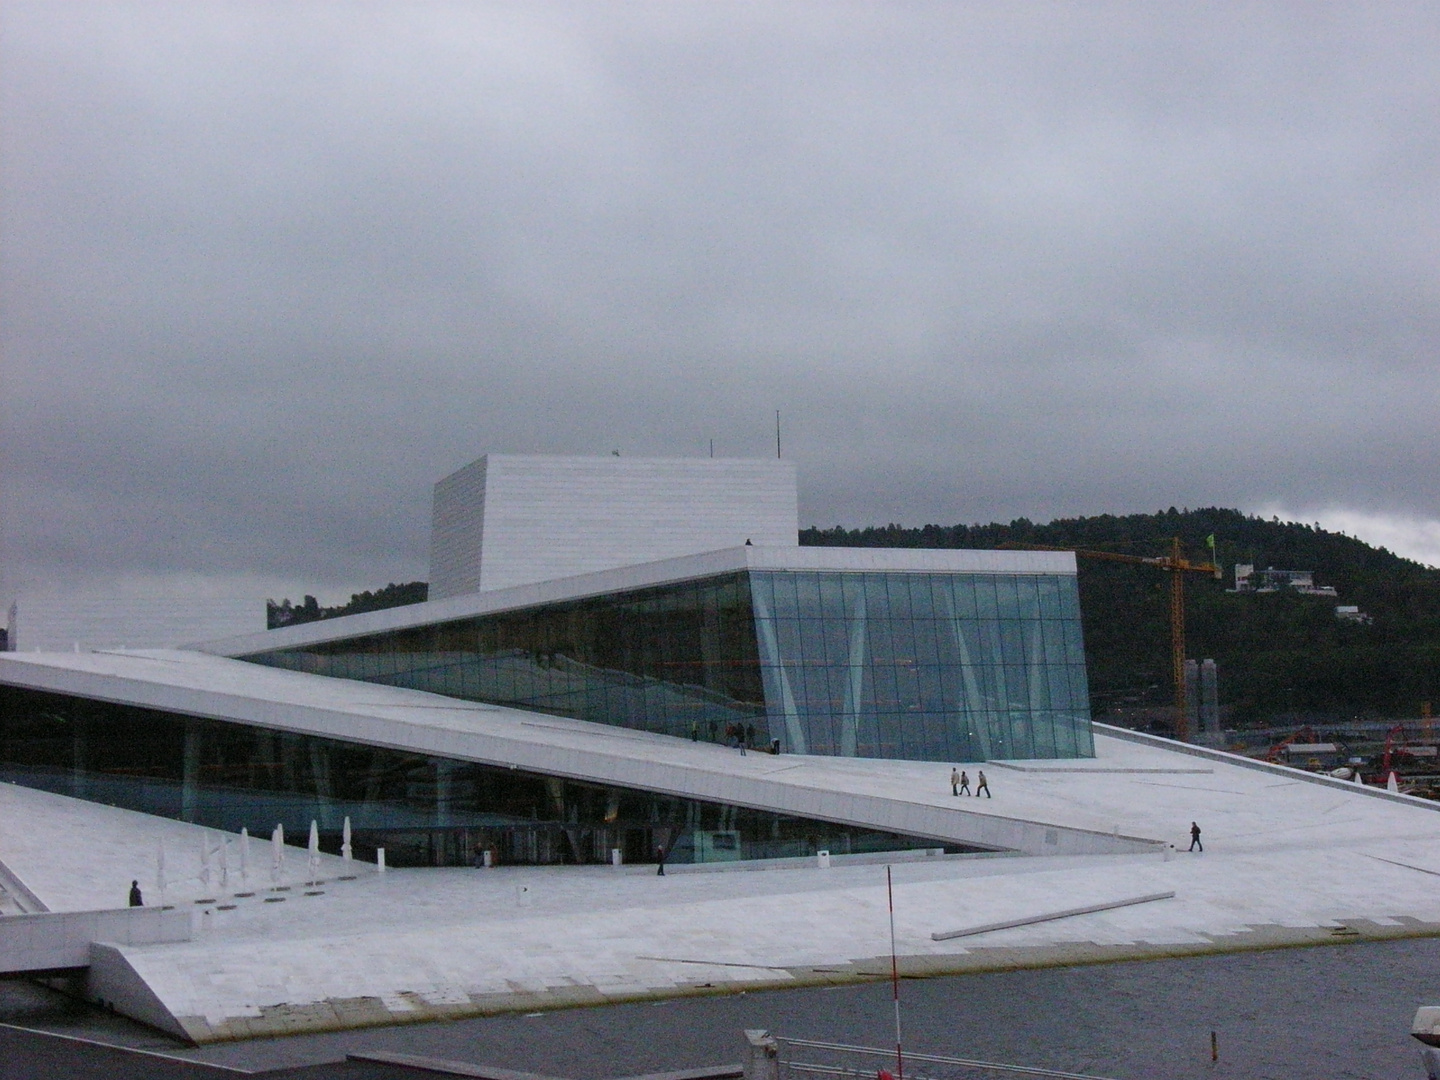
(565, 729)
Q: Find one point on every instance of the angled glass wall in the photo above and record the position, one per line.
(422, 810)
(920, 666)
(678, 660)
(926, 667)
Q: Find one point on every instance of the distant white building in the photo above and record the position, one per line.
(514, 519)
(1269, 580)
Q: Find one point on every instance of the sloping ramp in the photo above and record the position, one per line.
(112, 982)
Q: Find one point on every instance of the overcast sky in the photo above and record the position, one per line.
(270, 270)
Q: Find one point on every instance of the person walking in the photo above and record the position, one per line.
(660, 856)
(136, 900)
(964, 783)
(982, 785)
(1195, 838)
(954, 782)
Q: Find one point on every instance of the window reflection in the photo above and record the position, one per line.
(422, 810)
(957, 667)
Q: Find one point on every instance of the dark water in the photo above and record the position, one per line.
(1337, 1011)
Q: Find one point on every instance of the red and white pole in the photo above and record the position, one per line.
(895, 978)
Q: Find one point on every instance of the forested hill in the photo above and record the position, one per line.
(1279, 654)
(309, 610)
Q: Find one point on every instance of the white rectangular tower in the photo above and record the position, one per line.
(513, 519)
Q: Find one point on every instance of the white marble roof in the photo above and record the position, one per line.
(894, 796)
(1288, 860)
(665, 571)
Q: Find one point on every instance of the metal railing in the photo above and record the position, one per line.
(797, 1058)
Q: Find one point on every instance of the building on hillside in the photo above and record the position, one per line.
(566, 717)
(1270, 580)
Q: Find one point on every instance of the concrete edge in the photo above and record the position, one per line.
(334, 1015)
(122, 1049)
(711, 1072)
(111, 981)
(1286, 771)
(442, 1066)
(24, 896)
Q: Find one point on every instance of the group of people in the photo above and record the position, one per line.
(736, 735)
(741, 735)
(960, 783)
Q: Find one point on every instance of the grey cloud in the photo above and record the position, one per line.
(270, 271)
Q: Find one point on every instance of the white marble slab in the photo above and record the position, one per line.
(1286, 861)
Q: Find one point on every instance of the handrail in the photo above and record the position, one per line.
(1017, 1070)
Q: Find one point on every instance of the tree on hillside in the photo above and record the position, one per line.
(1278, 653)
(287, 614)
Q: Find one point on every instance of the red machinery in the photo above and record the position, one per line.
(1274, 753)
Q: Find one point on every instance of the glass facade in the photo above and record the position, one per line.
(921, 666)
(926, 667)
(422, 810)
(679, 660)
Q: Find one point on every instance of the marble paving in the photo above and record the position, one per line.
(1287, 861)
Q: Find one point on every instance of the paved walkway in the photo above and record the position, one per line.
(1287, 861)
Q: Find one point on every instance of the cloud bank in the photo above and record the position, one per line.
(270, 270)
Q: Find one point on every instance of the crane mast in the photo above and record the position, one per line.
(1177, 566)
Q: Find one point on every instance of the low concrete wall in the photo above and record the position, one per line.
(52, 941)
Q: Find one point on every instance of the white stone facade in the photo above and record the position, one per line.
(510, 519)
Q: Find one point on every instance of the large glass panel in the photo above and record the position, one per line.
(916, 668)
(1006, 600)
(897, 595)
(963, 590)
(1074, 645)
(423, 811)
(921, 606)
(784, 589)
(934, 666)
(1027, 598)
(1049, 588)
(807, 596)
(1012, 642)
(986, 609)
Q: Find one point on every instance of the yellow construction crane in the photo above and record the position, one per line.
(1177, 566)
